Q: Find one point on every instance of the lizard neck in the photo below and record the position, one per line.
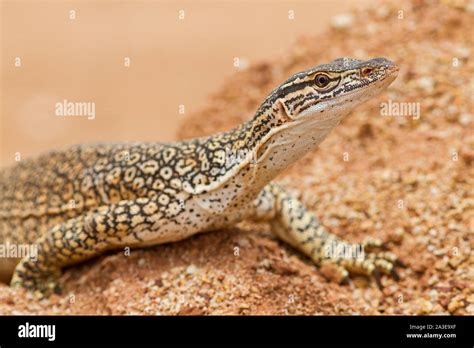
(220, 158)
(287, 142)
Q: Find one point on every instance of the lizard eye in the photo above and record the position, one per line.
(367, 71)
(321, 80)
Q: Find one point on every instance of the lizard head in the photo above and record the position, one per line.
(332, 90)
(304, 109)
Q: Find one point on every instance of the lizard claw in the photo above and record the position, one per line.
(346, 281)
(377, 277)
(371, 263)
(394, 274)
(399, 263)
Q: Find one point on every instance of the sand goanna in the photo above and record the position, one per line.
(77, 203)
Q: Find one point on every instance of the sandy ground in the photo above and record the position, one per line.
(407, 181)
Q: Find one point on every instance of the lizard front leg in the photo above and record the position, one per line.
(82, 238)
(294, 224)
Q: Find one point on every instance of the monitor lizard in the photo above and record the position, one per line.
(77, 203)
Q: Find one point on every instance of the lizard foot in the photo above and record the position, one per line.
(41, 284)
(371, 262)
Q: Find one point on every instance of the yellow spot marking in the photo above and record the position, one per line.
(163, 199)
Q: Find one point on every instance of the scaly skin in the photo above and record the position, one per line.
(77, 203)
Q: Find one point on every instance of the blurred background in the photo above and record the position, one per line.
(137, 61)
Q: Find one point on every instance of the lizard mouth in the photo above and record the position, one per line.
(393, 68)
(392, 73)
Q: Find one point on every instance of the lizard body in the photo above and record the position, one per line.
(76, 203)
